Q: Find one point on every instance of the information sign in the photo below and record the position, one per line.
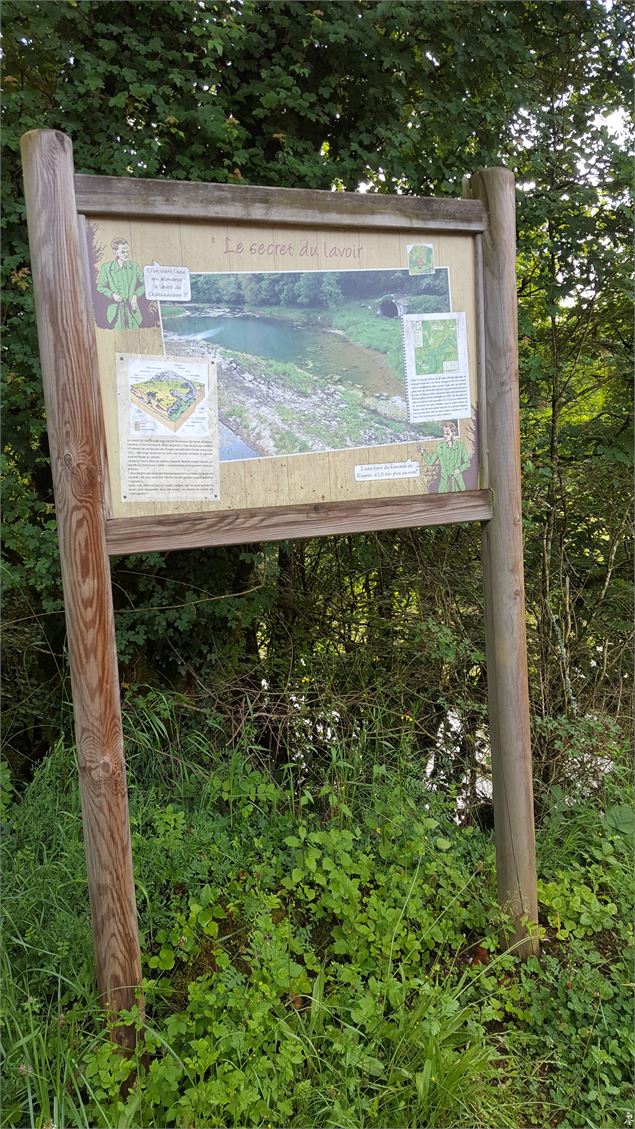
(226, 364)
(325, 350)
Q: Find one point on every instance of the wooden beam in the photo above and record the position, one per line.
(503, 570)
(69, 373)
(278, 523)
(139, 198)
(481, 363)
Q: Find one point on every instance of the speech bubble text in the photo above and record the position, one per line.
(164, 284)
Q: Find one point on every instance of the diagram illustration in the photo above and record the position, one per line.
(168, 398)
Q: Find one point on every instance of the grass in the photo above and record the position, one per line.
(42, 1084)
(299, 315)
(296, 378)
(171, 310)
(237, 415)
(308, 937)
(288, 443)
(350, 427)
(364, 327)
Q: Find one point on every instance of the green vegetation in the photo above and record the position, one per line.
(168, 397)
(315, 291)
(173, 311)
(288, 443)
(319, 945)
(342, 423)
(300, 380)
(237, 414)
(285, 701)
(362, 325)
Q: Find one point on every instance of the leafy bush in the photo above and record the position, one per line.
(315, 953)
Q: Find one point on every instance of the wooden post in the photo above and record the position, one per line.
(69, 372)
(502, 542)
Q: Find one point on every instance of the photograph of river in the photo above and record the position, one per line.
(307, 361)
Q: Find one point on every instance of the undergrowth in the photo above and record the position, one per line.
(320, 948)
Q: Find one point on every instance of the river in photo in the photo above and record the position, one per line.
(231, 445)
(323, 352)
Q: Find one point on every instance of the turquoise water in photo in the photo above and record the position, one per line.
(322, 351)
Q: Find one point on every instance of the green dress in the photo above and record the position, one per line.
(453, 460)
(125, 279)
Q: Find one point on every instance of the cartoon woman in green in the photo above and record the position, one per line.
(452, 458)
(121, 282)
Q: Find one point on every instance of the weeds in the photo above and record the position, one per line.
(319, 946)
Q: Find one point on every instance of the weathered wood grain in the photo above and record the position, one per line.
(95, 382)
(188, 200)
(481, 364)
(195, 530)
(503, 568)
(69, 370)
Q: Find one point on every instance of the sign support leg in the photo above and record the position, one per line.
(502, 547)
(69, 372)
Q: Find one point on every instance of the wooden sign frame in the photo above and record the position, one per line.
(59, 204)
(213, 214)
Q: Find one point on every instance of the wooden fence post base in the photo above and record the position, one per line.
(502, 543)
(69, 373)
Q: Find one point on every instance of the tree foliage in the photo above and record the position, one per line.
(400, 97)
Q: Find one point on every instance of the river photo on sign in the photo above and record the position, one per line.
(307, 361)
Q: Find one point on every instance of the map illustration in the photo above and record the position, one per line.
(437, 370)
(420, 258)
(168, 398)
(439, 347)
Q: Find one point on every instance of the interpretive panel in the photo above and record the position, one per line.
(436, 364)
(245, 367)
(267, 372)
(168, 428)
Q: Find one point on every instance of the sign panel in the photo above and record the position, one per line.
(243, 366)
(165, 394)
(168, 428)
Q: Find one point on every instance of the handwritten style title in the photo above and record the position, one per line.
(303, 250)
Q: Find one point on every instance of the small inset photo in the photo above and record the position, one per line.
(420, 258)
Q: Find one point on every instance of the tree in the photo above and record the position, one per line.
(574, 292)
(309, 291)
(400, 96)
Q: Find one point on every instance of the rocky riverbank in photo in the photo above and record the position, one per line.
(277, 408)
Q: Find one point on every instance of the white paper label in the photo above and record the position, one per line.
(377, 472)
(165, 283)
(168, 429)
(437, 374)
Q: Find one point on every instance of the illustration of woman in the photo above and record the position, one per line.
(453, 460)
(121, 282)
